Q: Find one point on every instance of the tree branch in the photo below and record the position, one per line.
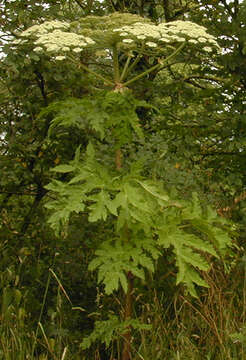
(165, 4)
(41, 85)
(236, 7)
(227, 7)
(27, 220)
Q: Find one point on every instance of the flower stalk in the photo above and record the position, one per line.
(159, 65)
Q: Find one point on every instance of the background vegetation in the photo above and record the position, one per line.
(195, 141)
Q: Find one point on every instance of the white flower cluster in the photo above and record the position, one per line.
(44, 28)
(172, 32)
(51, 36)
(58, 40)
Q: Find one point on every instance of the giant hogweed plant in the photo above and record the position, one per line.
(105, 186)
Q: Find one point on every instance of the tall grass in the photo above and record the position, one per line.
(209, 328)
(17, 339)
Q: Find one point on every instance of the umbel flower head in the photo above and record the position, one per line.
(139, 33)
(53, 37)
(124, 31)
(157, 36)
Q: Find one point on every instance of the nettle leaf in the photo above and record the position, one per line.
(120, 200)
(80, 113)
(194, 210)
(123, 219)
(98, 210)
(192, 234)
(123, 281)
(191, 279)
(135, 124)
(188, 256)
(148, 245)
(136, 198)
(219, 237)
(67, 113)
(56, 185)
(77, 156)
(202, 244)
(153, 189)
(146, 262)
(138, 272)
(90, 151)
(113, 284)
(105, 331)
(63, 168)
(63, 209)
(83, 174)
(115, 259)
(122, 116)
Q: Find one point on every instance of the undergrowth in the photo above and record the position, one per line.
(211, 327)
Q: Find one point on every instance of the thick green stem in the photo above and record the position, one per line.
(128, 306)
(142, 74)
(126, 352)
(124, 72)
(155, 66)
(116, 65)
(107, 81)
(135, 62)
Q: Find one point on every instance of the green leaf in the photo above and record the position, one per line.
(200, 244)
(94, 264)
(63, 168)
(77, 156)
(152, 189)
(90, 151)
(146, 262)
(113, 284)
(136, 197)
(98, 210)
(188, 256)
(138, 272)
(55, 185)
(123, 282)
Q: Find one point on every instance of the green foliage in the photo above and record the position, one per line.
(103, 114)
(112, 328)
(114, 261)
(182, 127)
(141, 210)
